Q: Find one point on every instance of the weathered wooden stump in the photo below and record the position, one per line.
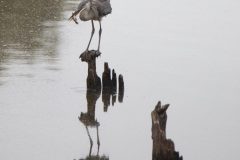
(106, 97)
(93, 81)
(109, 86)
(120, 88)
(106, 78)
(114, 81)
(163, 148)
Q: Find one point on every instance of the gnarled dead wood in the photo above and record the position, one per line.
(163, 148)
(93, 81)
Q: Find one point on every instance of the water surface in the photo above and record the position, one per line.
(180, 52)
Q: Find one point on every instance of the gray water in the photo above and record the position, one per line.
(185, 53)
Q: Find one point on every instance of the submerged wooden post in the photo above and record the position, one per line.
(106, 97)
(114, 97)
(106, 77)
(93, 81)
(114, 81)
(109, 89)
(120, 88)
(163, 148)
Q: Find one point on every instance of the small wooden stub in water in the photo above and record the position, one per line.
(106, 78)
(114, 81)
(109, 82)
(93, 81)
(109, 79)
(163, 148)
(120, 88)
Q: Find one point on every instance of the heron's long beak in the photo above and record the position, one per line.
(73, 17)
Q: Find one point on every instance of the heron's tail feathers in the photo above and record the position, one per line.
(73, 17)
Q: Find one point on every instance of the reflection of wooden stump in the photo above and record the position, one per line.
(106, 97)
(163, 148)
(114, 97)
(93, 81)
(88, 118)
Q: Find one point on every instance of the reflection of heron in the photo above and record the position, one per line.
(92, 10)
(88, 118)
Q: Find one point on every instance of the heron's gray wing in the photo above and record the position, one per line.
(78, 10)
(103, 6)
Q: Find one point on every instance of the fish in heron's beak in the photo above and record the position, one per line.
(75, 20)
(73, 17)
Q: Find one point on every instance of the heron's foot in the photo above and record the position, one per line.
(98, 53)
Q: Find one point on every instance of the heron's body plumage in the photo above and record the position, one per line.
(92, 10)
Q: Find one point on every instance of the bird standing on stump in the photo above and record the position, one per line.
(92, 10)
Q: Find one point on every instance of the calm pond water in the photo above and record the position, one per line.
(185, 53)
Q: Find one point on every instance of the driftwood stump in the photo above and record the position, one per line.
(120, 88)
(114, 81)
(106, 78)
(93, 81)
(109, 89)
(163, 148)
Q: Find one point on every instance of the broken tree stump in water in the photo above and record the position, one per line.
(120, 88)
(114, 81)
(106, 78)
(106, 97)
(163, 148)
(107, 86)
(93, 81)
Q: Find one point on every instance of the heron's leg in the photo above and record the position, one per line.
(93, 30)
(91, 142)
(98, 141)
(100, 33)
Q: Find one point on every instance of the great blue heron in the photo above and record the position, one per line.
(92, 10)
